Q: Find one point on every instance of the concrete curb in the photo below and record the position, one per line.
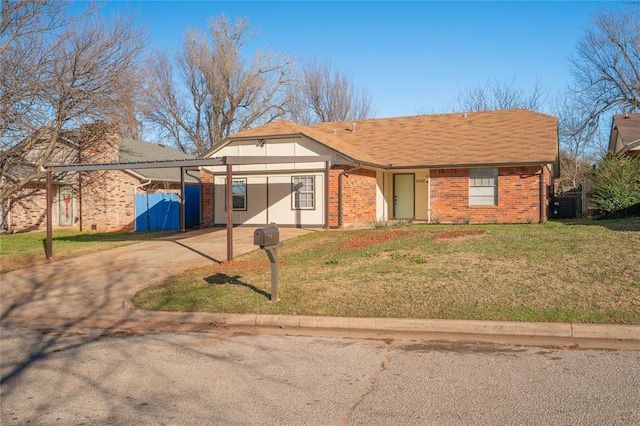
(606, 331)
(467, 327)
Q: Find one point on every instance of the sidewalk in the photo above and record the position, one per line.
(94, 291)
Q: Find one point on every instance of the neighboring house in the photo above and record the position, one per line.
(98, 200)
(625, 135)
(477, 167)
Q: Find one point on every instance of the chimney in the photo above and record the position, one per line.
(99, 143)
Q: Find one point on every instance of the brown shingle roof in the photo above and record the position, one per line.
(514, 136)
(628, 127)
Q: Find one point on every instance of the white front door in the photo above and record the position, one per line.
(403, 196)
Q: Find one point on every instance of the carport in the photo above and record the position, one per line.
(184, 165)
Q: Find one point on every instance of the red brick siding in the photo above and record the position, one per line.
(206, 198)
(27, 209)
(518, 197)
(358, 196)
(105, 199)
(108, 201)
(107, 204)
(98, 144)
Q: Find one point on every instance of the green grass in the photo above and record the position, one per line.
(563, 271)
(22, 250)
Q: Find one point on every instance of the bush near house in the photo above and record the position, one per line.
(616, 186)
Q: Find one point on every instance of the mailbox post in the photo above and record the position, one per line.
(269, 240)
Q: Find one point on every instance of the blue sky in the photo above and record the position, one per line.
(411, 57)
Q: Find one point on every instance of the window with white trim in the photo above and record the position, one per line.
(239, 193)
(483, 187)
(303, 189)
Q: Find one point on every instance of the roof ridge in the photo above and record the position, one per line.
(437, 115)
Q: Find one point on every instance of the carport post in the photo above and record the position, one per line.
(49, 245)
(272, 253)
(229, 203)
(182, 201)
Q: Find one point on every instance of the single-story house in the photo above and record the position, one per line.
(625, 135)
(475, 167)
(104, 201)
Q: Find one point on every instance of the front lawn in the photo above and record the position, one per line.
(581, 271)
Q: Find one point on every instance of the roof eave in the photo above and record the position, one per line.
(631, 145)
(231, 139)
(470, 165)
(613, 134)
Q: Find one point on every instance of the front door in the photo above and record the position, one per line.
(403, 196)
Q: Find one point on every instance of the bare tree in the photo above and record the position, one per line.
(500, 96)
(324, 94)
(59, 72)
(606, 66)
(214, 91)
(578, 145)
(29, 19)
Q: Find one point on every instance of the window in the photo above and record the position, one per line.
(303, 189)
(483, 187)
(239, 192)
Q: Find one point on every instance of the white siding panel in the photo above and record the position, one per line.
(256, 213)
(269, 200)
(278, 149)
(316, 216)
(251, 149)
(306, 147)
(269, 194)
(281, 209)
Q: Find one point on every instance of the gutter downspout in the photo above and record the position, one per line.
(542, 197)
(429, 197)
(340, 209)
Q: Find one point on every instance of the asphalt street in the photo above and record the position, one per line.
(230, 378)
(74, 351)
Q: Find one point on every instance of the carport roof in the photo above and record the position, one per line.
(186, 163)
(135, 151)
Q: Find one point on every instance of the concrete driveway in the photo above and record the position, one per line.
(93, 290)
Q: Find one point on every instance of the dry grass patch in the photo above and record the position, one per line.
(358, 242)
(561, 271)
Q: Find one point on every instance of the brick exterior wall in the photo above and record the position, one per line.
(518, 197)
(206, 198)
(27, 211)
(107, 205)
(108, 201)
(103, 200)
(107, 197)
(358, 196)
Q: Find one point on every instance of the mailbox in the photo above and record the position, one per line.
(265, 237)
(269, 240)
